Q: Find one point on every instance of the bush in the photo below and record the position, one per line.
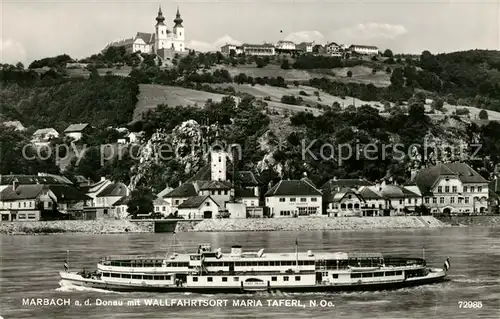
(303, 93)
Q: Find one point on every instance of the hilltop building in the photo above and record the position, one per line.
(162, 42)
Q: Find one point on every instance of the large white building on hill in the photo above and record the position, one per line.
(163, 42)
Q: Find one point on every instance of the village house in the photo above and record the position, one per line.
(305, 47)
(226, 49)
(375, 204)
(293, 198)
(494, 195)
(76, 131)
(398, 199)
(18, 126)
(39, 197)
(135, 137)
(364, 49)
(342, 198)
(199, 207)
(333, 49)
(160, 206)
(453, 188)
(105, 199)
(119, 209)
(43, 136)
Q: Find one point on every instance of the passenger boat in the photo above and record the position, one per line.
(240, 272)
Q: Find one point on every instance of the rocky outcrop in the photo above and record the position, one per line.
(313, 224)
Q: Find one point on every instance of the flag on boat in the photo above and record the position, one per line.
(447, 264)
(296, 242)
(65, 265)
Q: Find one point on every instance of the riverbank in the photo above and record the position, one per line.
(74, 226)
(309, 224)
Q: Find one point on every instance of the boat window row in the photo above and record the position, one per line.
(260, 263)
(236, 279)
(135, 276)
(376, 274)
(145, 263)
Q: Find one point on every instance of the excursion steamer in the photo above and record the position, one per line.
(211, 271)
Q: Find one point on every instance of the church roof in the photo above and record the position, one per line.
(146, 37)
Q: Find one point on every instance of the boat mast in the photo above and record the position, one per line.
(297, 254)
(423, 252)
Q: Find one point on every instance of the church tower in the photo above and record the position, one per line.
(179, 30)
(218, 161)
(161, 32)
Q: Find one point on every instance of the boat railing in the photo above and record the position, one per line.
(131, 257)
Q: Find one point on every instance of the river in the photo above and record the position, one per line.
(29, 265)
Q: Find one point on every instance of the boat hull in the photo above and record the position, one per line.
(77, 280)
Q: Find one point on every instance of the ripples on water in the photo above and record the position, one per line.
(29, 265)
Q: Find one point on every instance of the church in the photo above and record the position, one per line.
(163, 42)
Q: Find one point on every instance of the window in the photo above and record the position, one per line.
(224, 279)
(427, 200)
(167, 277)
(115, 275)
(136, 276)
(366, 275)
(479, 189)
(207, 204)
(176, 202)
(274, 278)
(335, 276)
(220, 159)
(452, 200)
(434, 200)
(314, 199)
(466, 200)
(195, 279)
(398, 273)
(472, 189)
(447, 189)
(355, 275)
(126, 276)
(454, 189)
(236, 279)
(292, 199)
(31, 216)
(282, 200)
(159, 277)
(440, 189)
(441, 200)
(297, 278)
(303, 200)
(390, 273)
(285, 278)
(378, 274)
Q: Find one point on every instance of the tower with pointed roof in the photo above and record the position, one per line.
(161, 32)
(179, 31)
(218, 159)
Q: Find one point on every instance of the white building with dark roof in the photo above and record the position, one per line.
(199, 207)
(453, 188)
(76, 131)
(18, 126)
(291, 198)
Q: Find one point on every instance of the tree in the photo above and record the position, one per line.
(397, 79)
(388, 70)
(141, 201)
(296, 83)
(483, 115)
(437, 104)
(349, 74)
(232, 53)
(388, 53)
(285, 65)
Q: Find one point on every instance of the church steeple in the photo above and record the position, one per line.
(178, 20)
(160, 18)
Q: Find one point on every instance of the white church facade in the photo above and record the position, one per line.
(162, 42)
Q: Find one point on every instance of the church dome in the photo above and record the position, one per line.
(178, 20)
(160, 18)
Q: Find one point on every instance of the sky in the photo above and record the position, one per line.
(32, 30)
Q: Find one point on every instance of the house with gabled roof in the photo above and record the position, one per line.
(399, 200)
(76, 131)
(43, 136)
(31, 197)
(344, 202)
(199, 207)
(453, 188)
(160, 206)
(108, 196)
(293, 198)
(17, 125)
(119, 209)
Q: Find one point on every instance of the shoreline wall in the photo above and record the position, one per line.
(75, 226)
(309, 224)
